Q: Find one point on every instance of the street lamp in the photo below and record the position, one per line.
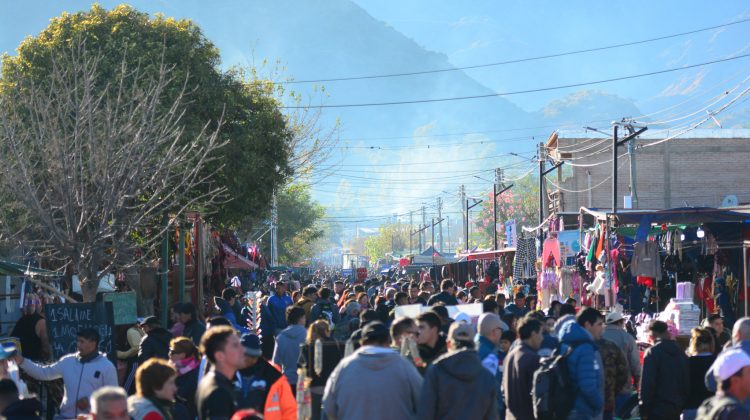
(469, 207)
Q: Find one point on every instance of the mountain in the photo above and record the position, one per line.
(586, 106)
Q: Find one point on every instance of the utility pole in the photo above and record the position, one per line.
(542, 161)
(499, 185)
(422, 238)
(274, 238)
(542, 173)
(440, 226)
(411, 230)
(616, 143)
(448, 219)
(439, 220)
(464, 205)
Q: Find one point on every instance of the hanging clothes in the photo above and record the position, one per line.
(523, 267)
(551, 250)
(646, 260)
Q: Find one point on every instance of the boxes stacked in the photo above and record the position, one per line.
(684, 313)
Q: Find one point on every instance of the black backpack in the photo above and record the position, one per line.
(553, 394)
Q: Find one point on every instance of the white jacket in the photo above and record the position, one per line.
(80, 379)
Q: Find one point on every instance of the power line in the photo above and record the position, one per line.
(519, 92)
(520, 60)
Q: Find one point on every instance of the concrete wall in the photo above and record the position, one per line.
(692, 171)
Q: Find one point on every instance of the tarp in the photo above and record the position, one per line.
(9, 268)
(683, 215)
(236, 261)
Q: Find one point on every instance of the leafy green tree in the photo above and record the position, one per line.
(299, 224)
(256, 160)
(391, 237)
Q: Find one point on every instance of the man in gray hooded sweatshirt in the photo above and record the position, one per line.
(374, 382)
(288, 342)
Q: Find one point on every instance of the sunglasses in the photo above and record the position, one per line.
(172, 352)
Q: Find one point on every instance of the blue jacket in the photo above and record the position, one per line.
(586, 370)
(487, 352)
(277, 306)
(228, 312)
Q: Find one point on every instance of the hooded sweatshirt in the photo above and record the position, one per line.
(665, 383)
(155, 344)
(586, 370)
(81, 377)
(227, 311)
(286, 352)
(458, 386)
(372, 383)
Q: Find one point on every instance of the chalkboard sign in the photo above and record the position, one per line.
(64, 320)
(124, 307)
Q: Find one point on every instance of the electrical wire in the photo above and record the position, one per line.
(519, 92)
(520, 60)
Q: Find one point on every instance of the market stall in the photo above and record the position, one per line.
(680, 263)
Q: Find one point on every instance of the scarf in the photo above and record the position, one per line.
(186, 365)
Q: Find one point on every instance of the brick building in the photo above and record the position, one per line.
(700, 168)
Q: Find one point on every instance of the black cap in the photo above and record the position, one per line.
(520, 295)
(252, 345)
(151, 320)
(375, 330)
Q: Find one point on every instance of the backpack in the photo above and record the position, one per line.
(552, 392)
(326, 312)
(712, 407)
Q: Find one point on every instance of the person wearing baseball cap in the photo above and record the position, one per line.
(457, 385)
(732, 372)
(156, 341)
(264, 388)
(614, 331)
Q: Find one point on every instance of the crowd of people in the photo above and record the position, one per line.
(334, 349)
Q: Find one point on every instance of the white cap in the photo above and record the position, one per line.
(613, 317)
(730, 362)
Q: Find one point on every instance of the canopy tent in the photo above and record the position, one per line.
(236, 261)
(9, 268)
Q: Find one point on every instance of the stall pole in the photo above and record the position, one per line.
(745, 257)
(181, 287)
(164, 269)
(614, 172)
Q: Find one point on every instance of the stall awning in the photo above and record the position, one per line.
(236, 261)
(486, 255)
(9, 268)
(683, 215)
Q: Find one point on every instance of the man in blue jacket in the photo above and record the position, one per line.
(277, 305)
(585, 363)
(487, 342)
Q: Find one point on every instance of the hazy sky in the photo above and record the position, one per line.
(466, 33)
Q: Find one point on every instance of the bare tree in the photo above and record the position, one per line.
(92, 163)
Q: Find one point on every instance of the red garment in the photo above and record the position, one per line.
(600, 244)
(645, 281)
(551, 250)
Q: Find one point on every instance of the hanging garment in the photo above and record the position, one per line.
(523, 267)
(646, 261)
(551, 250)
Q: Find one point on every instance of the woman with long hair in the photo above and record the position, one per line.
(186, 359)
(701, 357)
(155, 391)
(331, 354)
